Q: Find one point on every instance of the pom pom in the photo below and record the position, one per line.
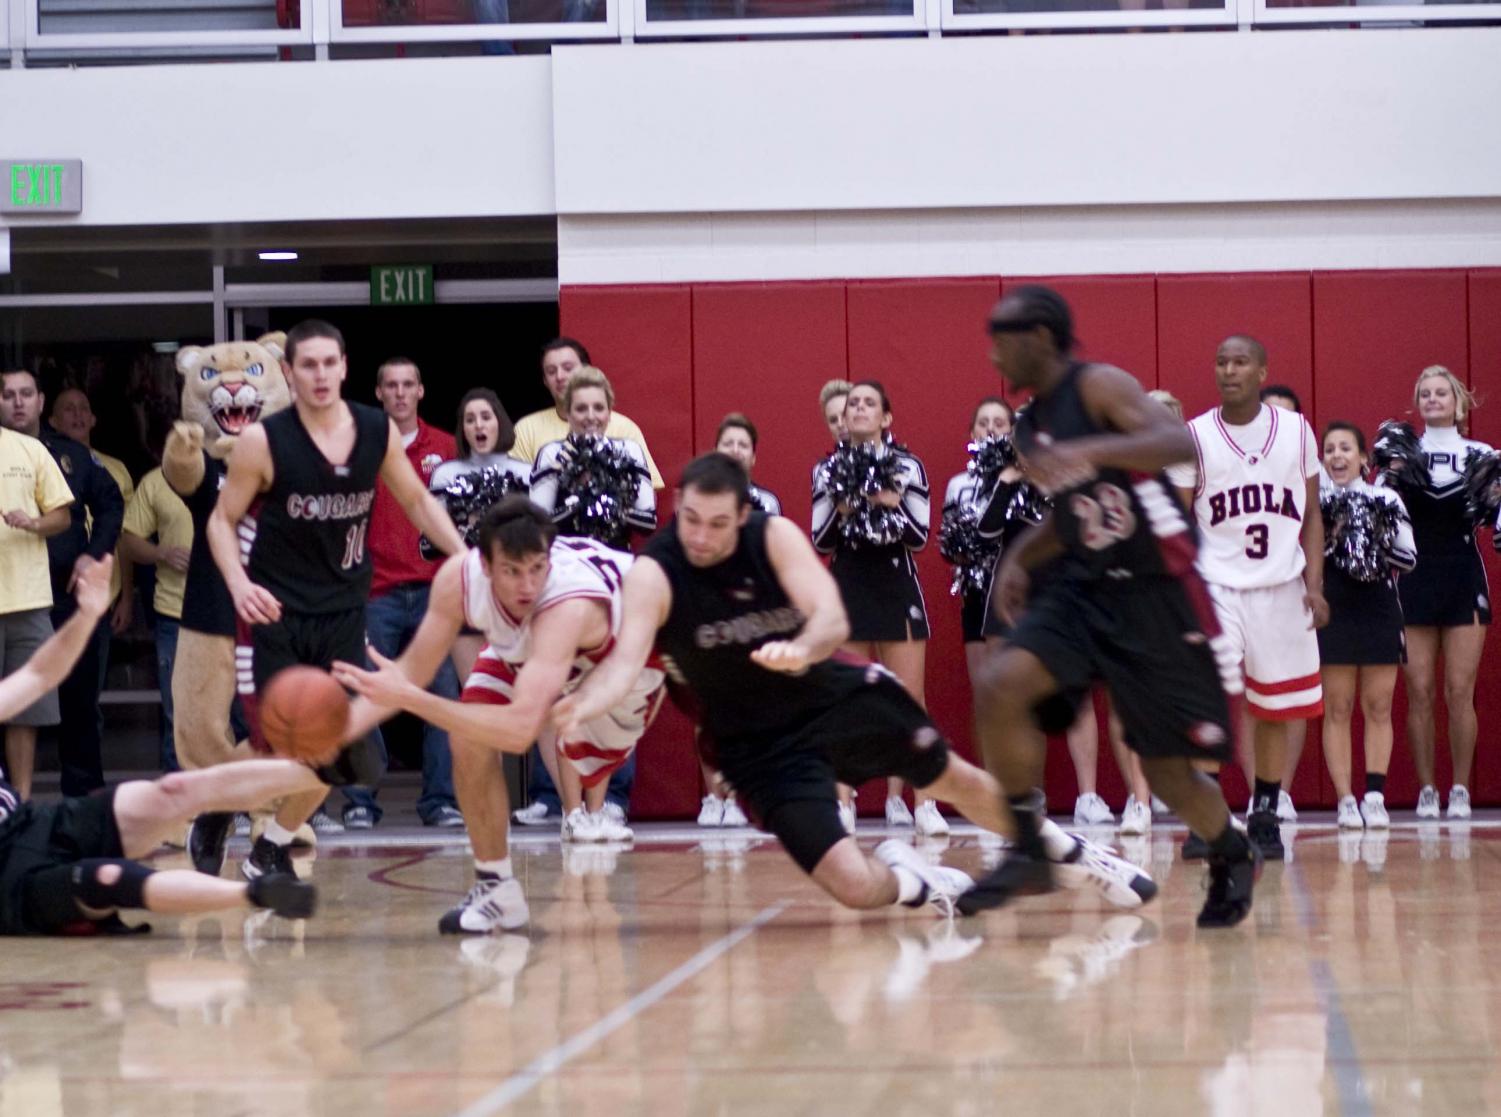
(973, 556)
(849, 475)
(598, 481)
(989, 457)
(1398, 455)
(1028, 505)
(1360, 533)
(1482, 487)
(468, 497)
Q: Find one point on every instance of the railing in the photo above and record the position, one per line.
(41, 32)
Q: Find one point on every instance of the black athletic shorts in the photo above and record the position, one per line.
(1149, 641)
(312, 640)
(787, 781)
(43, 837)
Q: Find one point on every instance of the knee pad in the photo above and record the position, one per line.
(129, 891)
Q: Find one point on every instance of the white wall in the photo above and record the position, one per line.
(1028, 121)
(276, 141)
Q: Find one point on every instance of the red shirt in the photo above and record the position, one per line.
(393, 537)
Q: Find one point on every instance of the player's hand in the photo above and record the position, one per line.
(572, 712)
(90, 584)
(1012, 583)
(785, 656)
(1054, 467)
(386, 685)
(20, 520)
(177, 558)
(120, 616)
(1317, 607)
(256, 604)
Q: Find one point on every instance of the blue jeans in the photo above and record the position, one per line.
(494, 11)
(540, 788)
(166, 656)
(390, 622)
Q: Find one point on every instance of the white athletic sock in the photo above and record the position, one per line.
(501, 868)
(1057, 843)
(909, 887)
(276, 833)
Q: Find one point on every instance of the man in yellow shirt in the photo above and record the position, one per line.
(155, 510)
(561, 358)
(34, 500)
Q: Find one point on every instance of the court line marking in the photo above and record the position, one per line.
(530, 1076)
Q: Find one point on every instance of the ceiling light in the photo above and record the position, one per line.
(278, 255)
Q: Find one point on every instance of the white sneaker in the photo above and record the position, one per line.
(1136, 819)
(847, 817)
(1428, 802)
(929, 820)
(1158, 806)
(491, 905)
(1078, 861)
(711, 811)
(1286, 812)
(1349, 814)
(609, 826)
(533, 815)
(1373, 810)
(1459, 802)
(733, 815)
(1091, 810)
(580, 826)
(944, 885)
(897, 813)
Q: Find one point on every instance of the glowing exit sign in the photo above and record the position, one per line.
(41, 186)
(401, 285)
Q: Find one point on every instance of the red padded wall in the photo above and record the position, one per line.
(1115, 318)
(1197, 312)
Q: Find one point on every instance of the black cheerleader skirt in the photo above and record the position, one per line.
(881, 594)
(1446, 590)
(1365, 623)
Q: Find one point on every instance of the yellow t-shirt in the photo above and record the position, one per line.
(541, 427)
(30, 482)
(116, 469)
(156, 510)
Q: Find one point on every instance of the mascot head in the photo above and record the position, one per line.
(227, 387)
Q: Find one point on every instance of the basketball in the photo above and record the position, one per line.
(303, 713)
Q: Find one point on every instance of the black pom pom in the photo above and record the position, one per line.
(468, 497)
(1398, 455)
(851, 473)
(1482, 487)
(598, 481)
(1360, 533)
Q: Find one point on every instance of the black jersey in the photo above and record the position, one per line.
(1120, 524)
(720, 614)
(310, 527)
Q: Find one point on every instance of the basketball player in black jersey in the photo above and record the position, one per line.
(746, 618)
(1122, 603)
(288, 535)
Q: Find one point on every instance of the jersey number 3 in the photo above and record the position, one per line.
(1256, 548)
(1105, 518)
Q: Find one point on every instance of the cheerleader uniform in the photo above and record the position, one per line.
(964, 493)
(1449, 588)
(449, 472)
(879, 582)
(994, 524)
(549, 494)
(764, 500)
(1365, 618)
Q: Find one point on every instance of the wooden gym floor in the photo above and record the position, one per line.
(704, 975)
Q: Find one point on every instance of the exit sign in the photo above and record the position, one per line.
(41, 186)
(401, 285)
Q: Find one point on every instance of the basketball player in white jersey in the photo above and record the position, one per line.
(549, 608)
(1255, 494)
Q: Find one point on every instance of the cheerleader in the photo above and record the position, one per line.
(588, 401)
(877, 578)
(1445, 601)
(831, 399)
(483, 437)
(1362, 645)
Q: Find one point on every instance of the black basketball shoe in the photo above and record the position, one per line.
(285, 895)
(266, 857)
(1265, 832)
(206, 839)
(1231, 881)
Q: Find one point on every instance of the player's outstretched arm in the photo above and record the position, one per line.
(248, 475)
(52, 662)
(421, 507)
(418, 662)
(813, 591)
(1146, 437)
(647, 599)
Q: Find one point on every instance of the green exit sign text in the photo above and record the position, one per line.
(41, 186)
(401, 285)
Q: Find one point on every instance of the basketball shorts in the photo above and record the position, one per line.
(1154, 643)
(786, 779)
(1269, 632)
(45, 837)
(601, 746)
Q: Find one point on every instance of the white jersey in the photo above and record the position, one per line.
(1250, 496)
(581, 568)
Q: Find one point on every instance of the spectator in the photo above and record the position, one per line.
(399, 590)
(738, 437)
(561, 358)
(34, 501)
(156, 511)
(98, 496)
